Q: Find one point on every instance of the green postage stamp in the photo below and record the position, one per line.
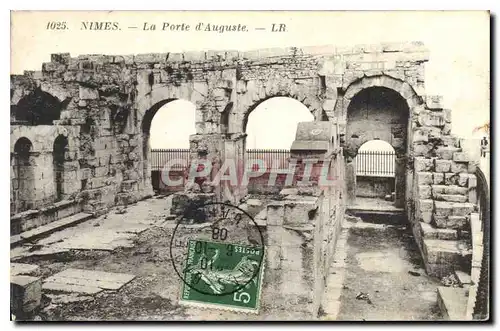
(223, 276)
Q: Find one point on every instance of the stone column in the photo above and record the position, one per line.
(234, 154)
(400, 181)
(350, 182)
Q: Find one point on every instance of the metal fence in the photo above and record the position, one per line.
(160, 157)
(273, 158)
(375, 163)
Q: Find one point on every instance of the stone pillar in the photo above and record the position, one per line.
(400, 181)
(350, 182)
(234, 154)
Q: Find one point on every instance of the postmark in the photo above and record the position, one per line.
(217, 251)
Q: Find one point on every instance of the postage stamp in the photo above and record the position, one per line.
(217, 250)
(226, 275)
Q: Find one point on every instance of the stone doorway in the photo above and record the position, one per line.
(377, 113)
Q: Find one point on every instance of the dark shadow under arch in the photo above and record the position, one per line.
(23, 183)
(38, 108)
(59, 158)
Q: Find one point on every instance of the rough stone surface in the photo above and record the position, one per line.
(26, 294)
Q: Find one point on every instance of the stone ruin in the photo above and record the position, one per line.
(80, 131)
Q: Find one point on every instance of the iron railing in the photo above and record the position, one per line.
(375, 163)
(160, 157)
(273, 158)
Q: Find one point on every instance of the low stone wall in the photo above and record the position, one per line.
(374, 187)
(301, 232)
(33, 218)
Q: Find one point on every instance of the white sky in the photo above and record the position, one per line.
(458, 42)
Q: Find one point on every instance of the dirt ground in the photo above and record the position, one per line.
(152, 295)
(385, 279)
(378, 263)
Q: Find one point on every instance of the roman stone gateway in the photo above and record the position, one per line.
(80, 126)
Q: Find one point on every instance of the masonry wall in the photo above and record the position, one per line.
(106, 104)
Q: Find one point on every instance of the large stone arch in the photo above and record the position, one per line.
(250, 94)
(146, 119)
(405, 101)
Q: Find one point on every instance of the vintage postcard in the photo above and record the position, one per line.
(250, 166)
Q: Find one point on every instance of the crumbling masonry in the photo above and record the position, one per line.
(80, 127)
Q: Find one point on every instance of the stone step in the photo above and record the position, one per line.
(463, 277)
(453, 302)
(23, 269)
(442, 257)
(430, 232)
(52, 227)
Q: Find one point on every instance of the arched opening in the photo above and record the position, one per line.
(38, 108)
(166, 129)
(59, 156)
(23, 179)
(273, 123)
(271, 128)
(380, 114)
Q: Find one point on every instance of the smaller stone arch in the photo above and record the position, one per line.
(376, 113)
(22, 176)
(59, 156)
(399, 86)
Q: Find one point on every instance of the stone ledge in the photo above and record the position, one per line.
(52, 227)
(453, 302)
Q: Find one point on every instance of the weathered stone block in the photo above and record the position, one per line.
(423, 164)
(456, 222)
(87, 93)
(329, 105)
(424, 191)
(183, 202)
(458, 167)
(472, 181)
(299, 212)
(462, 209)
(450, 178)
(274, 257)
(472, 195)
(426, 205)
(424, 178)
(450, 197)
(429, 232)
(442, 252)
(461, 157)
(442, 165)
(275, 213)
(471, 167)
(463, 179)
(443, 208)
(26, 294)
(440, 221)
(438, 178)
(434, 102)
(422, 149)
(420, 135)
(424, 210)
(446, 152)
